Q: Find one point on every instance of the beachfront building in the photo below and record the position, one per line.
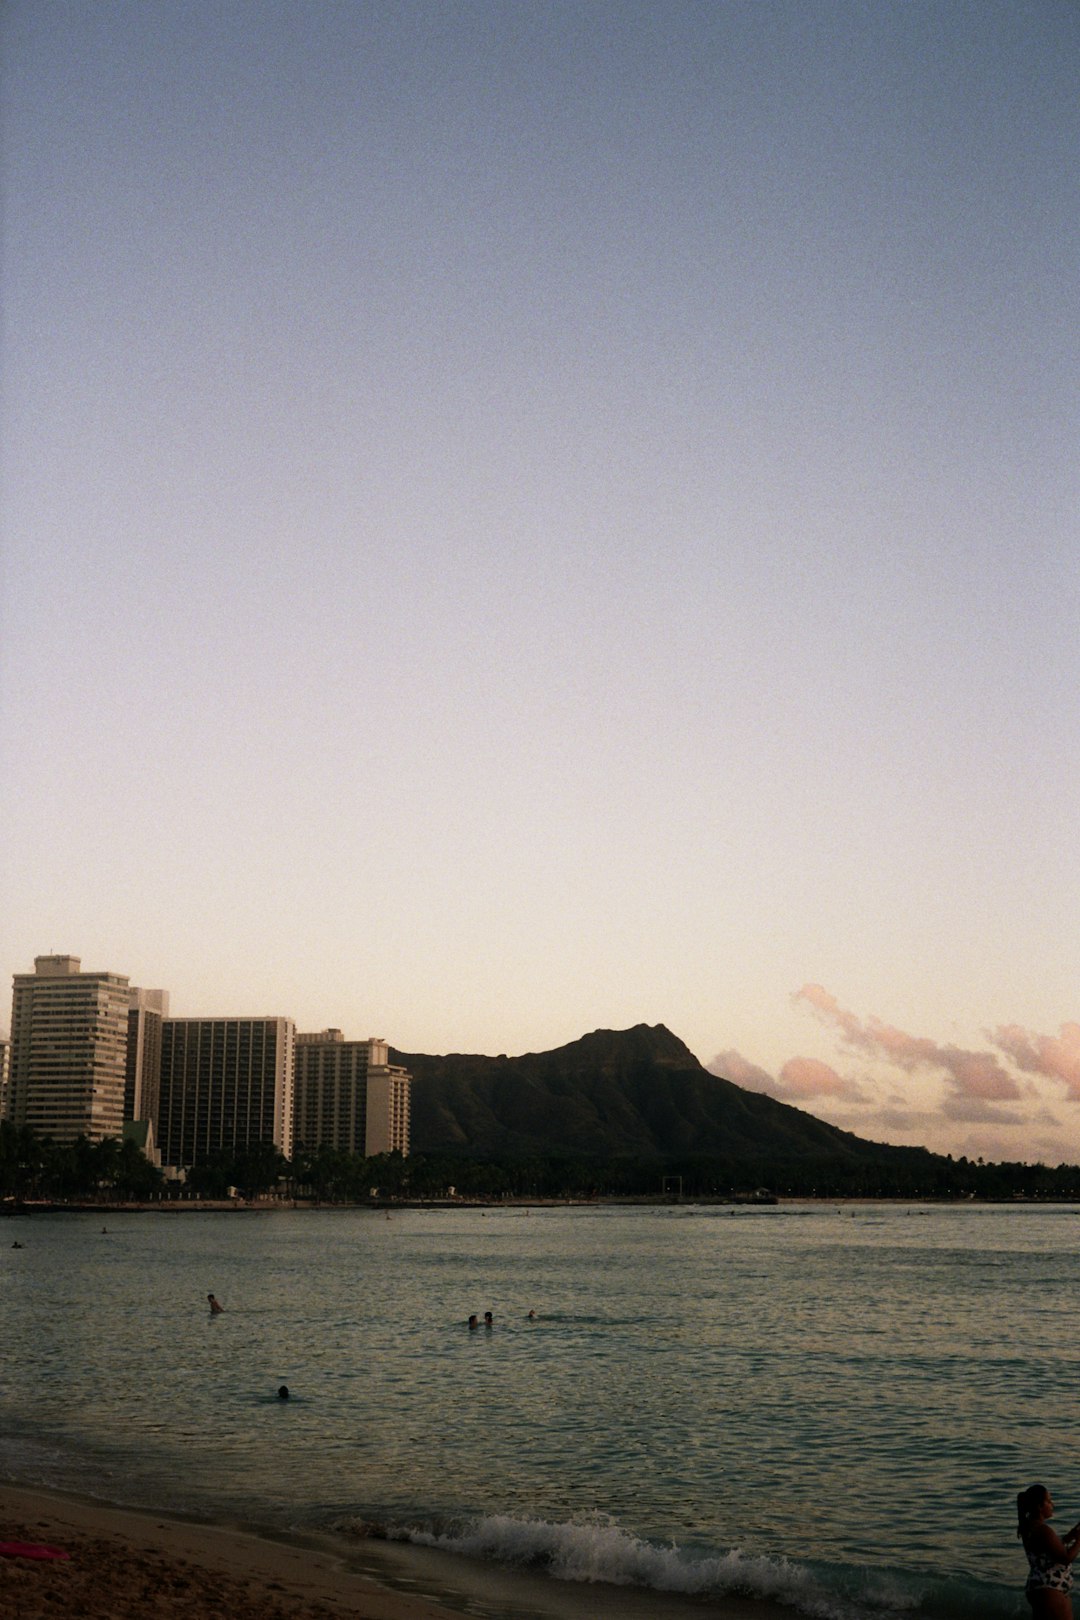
(142, 1075)
(71, 1056)
(225, 1083)
(5, 1056)
(348, 1095)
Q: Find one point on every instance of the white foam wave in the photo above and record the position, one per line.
(595, 1549)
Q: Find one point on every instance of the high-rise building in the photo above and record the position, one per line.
(349, 1096)
(68, 1050)
(226, 1083)
(5, 1067)
(142, 1075)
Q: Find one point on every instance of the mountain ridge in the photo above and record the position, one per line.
(639, 1091)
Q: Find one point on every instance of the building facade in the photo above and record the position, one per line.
(142, 1075)
(68, 1050)
(76, 1067)
(225, 1083)
(347, 1095)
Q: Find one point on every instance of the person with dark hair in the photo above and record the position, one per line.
(1049, 1582)
(216, 1307)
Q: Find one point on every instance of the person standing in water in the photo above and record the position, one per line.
(216, 1307)
(1050, 1556)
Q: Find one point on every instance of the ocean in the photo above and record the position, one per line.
(828, 1406)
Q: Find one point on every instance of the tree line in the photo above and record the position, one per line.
(113, 1170)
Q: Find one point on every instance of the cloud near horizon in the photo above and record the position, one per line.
(800, 1078)
(1054, 1057)
(974, 1075)
(980, 1091)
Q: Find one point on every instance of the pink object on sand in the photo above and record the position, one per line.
(30, 1549)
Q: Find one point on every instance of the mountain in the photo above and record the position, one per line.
(637, 1092)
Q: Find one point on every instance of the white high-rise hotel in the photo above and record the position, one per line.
(83, 1054)
(89, 1053)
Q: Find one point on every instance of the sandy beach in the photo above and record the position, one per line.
(128, 1565)
(135, 1566)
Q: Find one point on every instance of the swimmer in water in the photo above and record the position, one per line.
(216, 1307)
(283, 1392)
(474, 1322)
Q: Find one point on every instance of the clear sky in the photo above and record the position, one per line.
(528, 517)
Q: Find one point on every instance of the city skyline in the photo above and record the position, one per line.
(93, 1056)
(984, 1086)
(521, 520)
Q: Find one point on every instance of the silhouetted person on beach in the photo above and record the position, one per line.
(1050, 1556)
(216, 1307)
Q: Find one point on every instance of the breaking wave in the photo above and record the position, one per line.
(595, 1549)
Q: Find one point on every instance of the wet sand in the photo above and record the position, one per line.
(128, 1565)
(135, 1566)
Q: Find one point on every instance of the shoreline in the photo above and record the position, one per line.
(143, 1564)
(135, 1563)
(10, 1210)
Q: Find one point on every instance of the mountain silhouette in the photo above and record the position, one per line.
(638, 1092)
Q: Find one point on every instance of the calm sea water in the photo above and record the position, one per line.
(830, 1406)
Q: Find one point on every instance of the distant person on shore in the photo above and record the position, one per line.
(1049, 1583)
(216, 1307)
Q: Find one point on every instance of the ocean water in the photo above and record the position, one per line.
(833, 1407)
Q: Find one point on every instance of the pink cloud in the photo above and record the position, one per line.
(741, 1072)
(976, 1074)
(973, 1074)
(806, 1077)
(1057, 1057)
(799, 1080)
(831, 1010)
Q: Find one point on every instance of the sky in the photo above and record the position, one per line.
(521, 518)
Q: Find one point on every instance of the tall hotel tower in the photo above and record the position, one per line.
(349, 1096)
(78, 1067)
(226, 1083)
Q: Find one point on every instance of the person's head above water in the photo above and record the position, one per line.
(283, 1392)
(1032, 1505)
